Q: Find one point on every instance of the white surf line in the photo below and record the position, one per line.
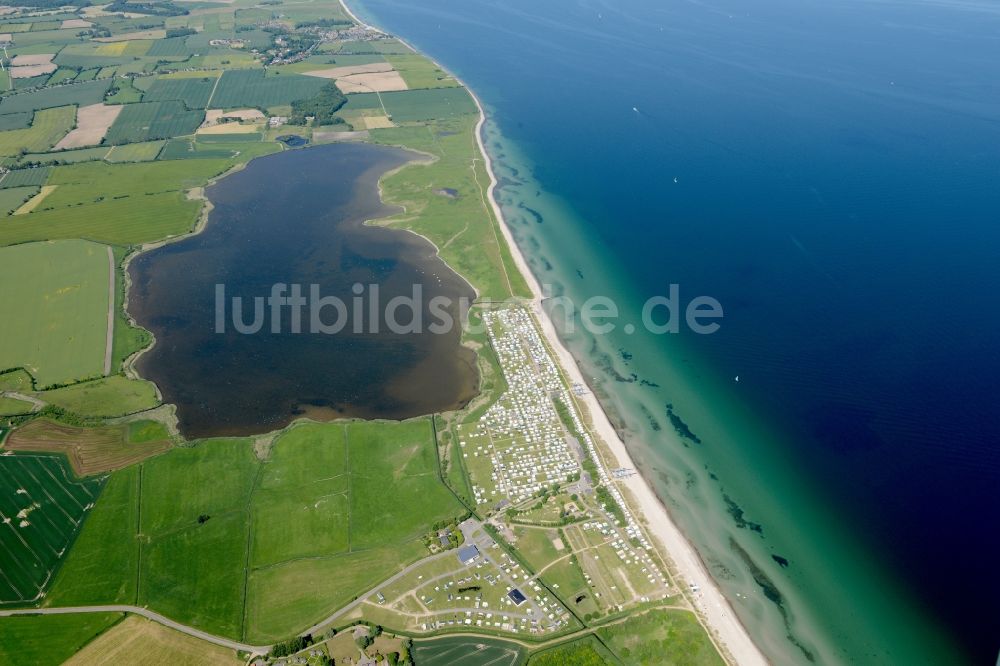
(149, 615)
(713, 607)
(110, 335)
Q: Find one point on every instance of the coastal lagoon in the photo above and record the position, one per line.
(298, 218)
(826, 171)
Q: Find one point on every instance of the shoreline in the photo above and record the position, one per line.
(712, 606)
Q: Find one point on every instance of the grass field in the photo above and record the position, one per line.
(420, 72)
(126, 203)
(46, 506)
(49, 640)
(65, 156)
(135, 152)
(90, 450)
(128, 221)
(47, 127)
(93, 182)
(153, 120)
(140, 642)
(15, 380)
(661, 637)
(467, 650)
(106, 397)
(331, 516)
(54, 299)
(12, 198)
(587, 651)
(14, 406)
(462, 227)
(103, 565)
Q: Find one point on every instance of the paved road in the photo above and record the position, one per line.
(145, 612)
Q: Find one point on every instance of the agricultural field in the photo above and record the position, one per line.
(92, 450)
(103, 565)
(135, 152)
(80, 94)
(12, 198)
(128, 221)
(47, 128)
(42, 506)
(194, 92)
(49, 640)
(409, 106)
(137, 640)
(419, 72)
(153, 120)
(56, 321)
(474, 651)
(106, 397)
(252, 88)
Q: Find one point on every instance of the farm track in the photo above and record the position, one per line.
(148, 614)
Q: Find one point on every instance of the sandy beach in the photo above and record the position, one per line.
(715, 610)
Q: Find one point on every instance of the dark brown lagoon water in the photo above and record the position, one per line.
(297, 217)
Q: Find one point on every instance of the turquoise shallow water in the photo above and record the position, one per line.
(836, 172)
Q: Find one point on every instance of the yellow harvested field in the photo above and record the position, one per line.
(375, 82)
(27, 71)
(75, 23)
(141, 642)
(212, 116)
(114, 49)
(35, 59)
(230, 128)
(338, 72)
(92, 123)
(376, 122)
(33, 202)
(129, 36)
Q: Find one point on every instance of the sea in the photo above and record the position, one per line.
(828, 172)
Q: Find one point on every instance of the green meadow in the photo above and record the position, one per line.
(49, 640)
(54, 297)
(475, 251)
(106, 397)
(331, 511)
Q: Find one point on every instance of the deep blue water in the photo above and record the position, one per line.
(838, 191)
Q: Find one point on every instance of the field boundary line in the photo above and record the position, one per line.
(149, 615)
(110, 335)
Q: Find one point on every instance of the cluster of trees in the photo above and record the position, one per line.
(291, 646)
(181, 32)
(610, 505)
(321, 107)
(52, 4)
(163, 8)
(323, 23)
